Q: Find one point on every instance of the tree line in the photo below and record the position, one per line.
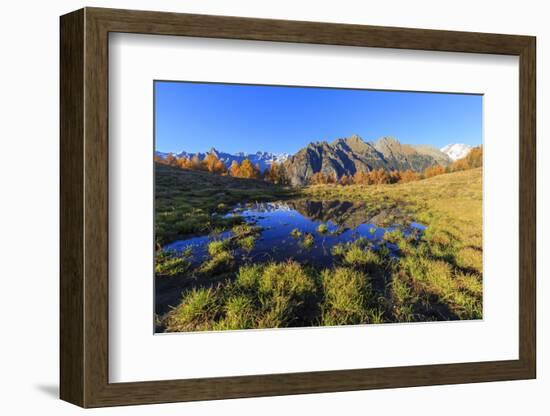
(276, 172)
(211, 163)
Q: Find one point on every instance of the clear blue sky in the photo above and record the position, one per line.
(233, 118)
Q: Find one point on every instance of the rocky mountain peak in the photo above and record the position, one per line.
(346, 156)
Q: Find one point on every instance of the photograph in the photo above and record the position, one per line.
(282, 206)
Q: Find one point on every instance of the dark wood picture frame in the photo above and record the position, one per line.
(84, 207)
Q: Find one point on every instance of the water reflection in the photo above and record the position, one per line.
(343, 221)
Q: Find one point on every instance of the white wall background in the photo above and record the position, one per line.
(29, 212)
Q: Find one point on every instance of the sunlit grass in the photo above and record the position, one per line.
(218, 246)
(171, 263)
(322, 228)
(346, 291)
(195, 312)
(435, 275)
(187, 202)
(219, 263)
(307, 241)
(247, 243)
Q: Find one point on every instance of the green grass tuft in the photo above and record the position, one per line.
(221, 262)
(284, 290)
(171, 264)
(217, 247)
(308, 241)
(248, 277)
(239, 314)
(322, 228)
(361, 257)
(247, 243)
(195, 311)
(346, 291)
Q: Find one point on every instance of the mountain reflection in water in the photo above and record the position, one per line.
(345, 222)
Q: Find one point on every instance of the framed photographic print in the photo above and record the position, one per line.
(255, 207)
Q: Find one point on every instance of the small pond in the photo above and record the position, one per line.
(344, 221)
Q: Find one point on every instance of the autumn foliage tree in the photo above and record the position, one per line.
(474, 159)
(248, 170)
(171, 160)
(409, 176)
(318, 178)
(361, 178)
(395, 176)
(234, 169)
(379, 177)
(183, 163)
(434, 171)
(345, 180)
(276, 174)
(213, 164)
(244, 170)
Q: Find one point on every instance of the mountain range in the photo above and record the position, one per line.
(261, 159)
(346, 156)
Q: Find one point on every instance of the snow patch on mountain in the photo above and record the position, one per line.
(456, 150)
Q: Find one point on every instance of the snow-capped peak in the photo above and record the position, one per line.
(456, 150)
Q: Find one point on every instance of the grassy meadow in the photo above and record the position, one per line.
(193, 202)
(435, 276)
